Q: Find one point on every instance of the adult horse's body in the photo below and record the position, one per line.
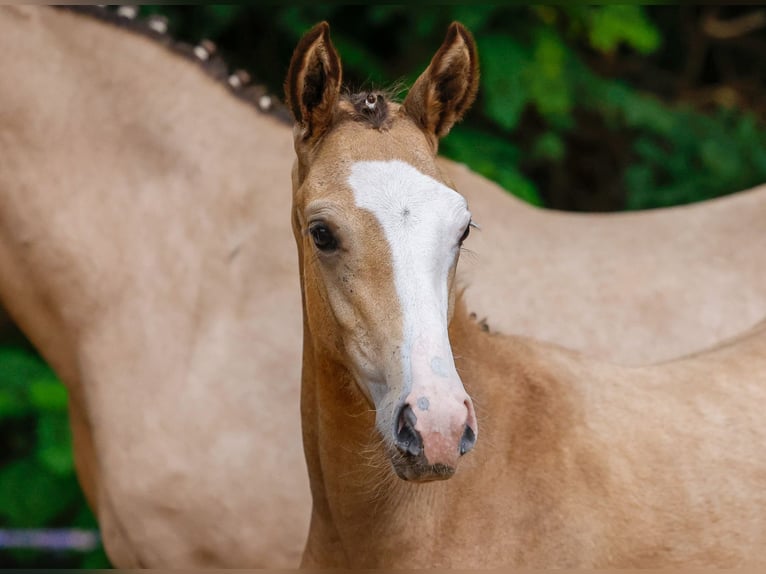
(143, 251)
(578, 463)
(627, 287)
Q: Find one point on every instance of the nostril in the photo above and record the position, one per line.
(468, 440)
(407, 438)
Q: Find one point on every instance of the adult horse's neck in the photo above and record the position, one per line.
(146, 263)
(130, 190)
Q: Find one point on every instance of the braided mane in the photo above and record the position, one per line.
(204, 54)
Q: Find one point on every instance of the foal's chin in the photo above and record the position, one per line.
(416, 469)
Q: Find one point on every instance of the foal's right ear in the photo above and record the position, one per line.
(444, 92)
(313, 82)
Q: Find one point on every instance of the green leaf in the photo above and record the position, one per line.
(545, 77)
(549, 146)
(475, 16)
(613, 24)
(48, 394)
(720, 158)
(381, 14)
(54, 443)
(521, 186)
(503, 62)
(33, 497)
(18, 368)
(359, 60)
(13, 404)
(217, 18)
(493, 157)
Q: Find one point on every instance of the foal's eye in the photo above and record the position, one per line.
(466, 233)
(323, 237)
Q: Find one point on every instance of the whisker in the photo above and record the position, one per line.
(470, 253)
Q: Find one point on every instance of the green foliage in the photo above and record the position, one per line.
(492, 157)
(38, 485)
(49, 493)
(613, 24)
(679, 155)
(506, 96)
(539, 91)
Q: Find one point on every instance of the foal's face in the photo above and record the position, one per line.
(380, 238)
(379, 234)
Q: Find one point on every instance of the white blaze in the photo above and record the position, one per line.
(422, 220)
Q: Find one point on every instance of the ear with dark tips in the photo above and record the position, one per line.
(444, 92)
(313, 82)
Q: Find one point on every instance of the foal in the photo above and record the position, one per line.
(142, 251)
(576, 463)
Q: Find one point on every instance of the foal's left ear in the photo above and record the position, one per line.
(445, 91)
(313, 82)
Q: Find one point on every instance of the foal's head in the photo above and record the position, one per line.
(379, 232)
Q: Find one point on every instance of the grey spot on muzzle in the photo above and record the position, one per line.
(423, 403)
(438, 367)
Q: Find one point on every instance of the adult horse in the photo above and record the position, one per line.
(143, 251)
(578, 463)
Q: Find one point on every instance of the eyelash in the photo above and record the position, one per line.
(466, 233)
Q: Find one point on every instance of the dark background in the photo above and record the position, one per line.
(600, 108)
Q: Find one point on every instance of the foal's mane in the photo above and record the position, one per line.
(204, 54)
(372, 106)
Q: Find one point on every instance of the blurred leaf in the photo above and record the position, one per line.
(504, 62)
(18, 368)
(379, 14)
(549, 146)
(639, 180)
(48, 394)
(54, 438)
(475, 16)
(293, 20)
(545, 75)
(493, 157)
(758, 157)
(31, 496)
(613, 24)
(719, 157)
(18, 371)
(547, 14)
(357, 58)
(215, 19)
(13, 403)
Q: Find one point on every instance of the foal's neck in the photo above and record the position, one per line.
(362, 511)
(358, 500)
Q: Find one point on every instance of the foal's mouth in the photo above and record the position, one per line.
(416, 469)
